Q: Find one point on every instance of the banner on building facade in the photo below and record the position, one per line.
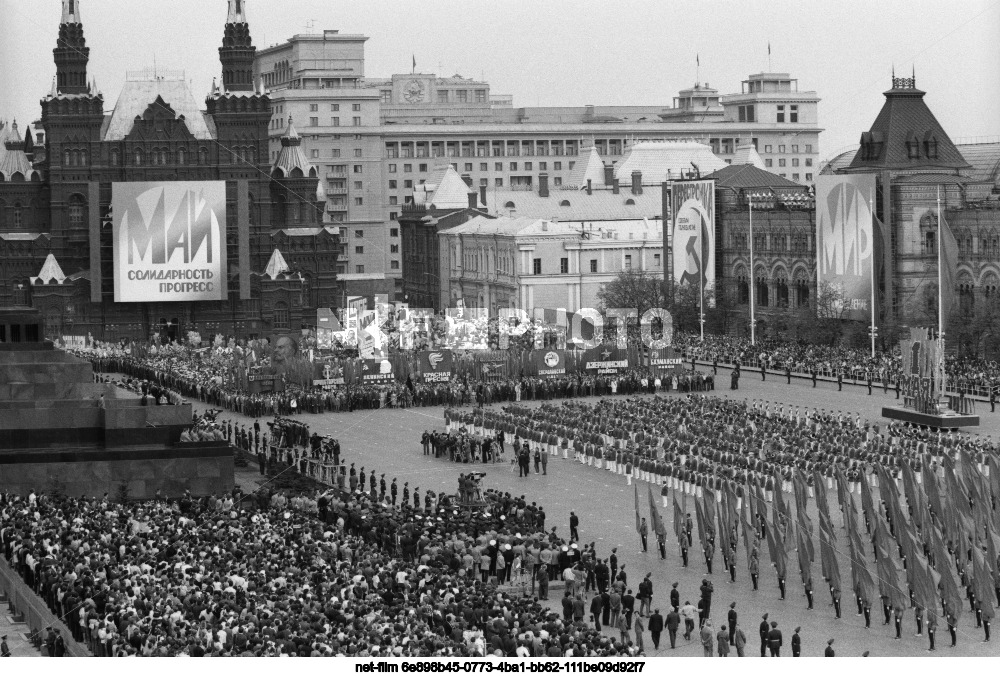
(169, 241)
(845, 245)
(605, 360)
(436, 365)
(693, 208)
(549, 363)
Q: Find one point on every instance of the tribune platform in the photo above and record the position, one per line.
(944, 421)
(61, 430)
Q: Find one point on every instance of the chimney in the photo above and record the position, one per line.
(473, 199)
(482, 194)
(467, 179)
(637, 182)
(609, 174)
(543, 185)
(615, 188)
(590, 189)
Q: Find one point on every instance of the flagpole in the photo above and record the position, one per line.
(753, 321)
(871, 207)
(940, 225)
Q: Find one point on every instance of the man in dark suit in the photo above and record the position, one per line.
(656, 627)
(731, 617)
(797, 643)
(673, 623)
(596, 606)
(675, 597)
(763, 636)
(628, 607)
(829, 649)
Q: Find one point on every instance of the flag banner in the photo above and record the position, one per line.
(606, 360)
(658, 526)
(699, 517)
(679, 524)
(949, 270)
(845, 251)
(805, 568)
(693, 208)
(436, 366)
(549, 363)
(638, 519)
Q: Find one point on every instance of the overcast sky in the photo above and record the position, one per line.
(556, 52)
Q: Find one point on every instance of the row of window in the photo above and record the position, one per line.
(334, 121)
(159, 156)
(536, 264)
(360, 234)
(484, 166)
(794, 147)
(486, 148)
(360, 268)
(334, 107)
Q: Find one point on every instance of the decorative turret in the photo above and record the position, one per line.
(71, 52)
(294, 189)
(237, 51)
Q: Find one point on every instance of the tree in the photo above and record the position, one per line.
(631, 289)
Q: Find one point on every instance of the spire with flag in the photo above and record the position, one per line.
(414, 64)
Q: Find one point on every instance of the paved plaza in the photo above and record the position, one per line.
(389, 441)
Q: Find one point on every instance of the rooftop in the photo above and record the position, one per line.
(577, 205)
(140, 92)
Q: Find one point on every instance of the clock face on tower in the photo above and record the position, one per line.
(413, 92)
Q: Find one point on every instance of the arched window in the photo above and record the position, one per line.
(508, 205)
(18, 215)
(181, 156)
(83, 158)
(742, 288)
(564, 203)
(203, 156)
(76, 211)
(137, 157)
(116, 158)
(67, 158)
(781, 289)
(630, 202)
(281, 319)
(3, 214)
(801, 290)
(762, 290)
(965, 296)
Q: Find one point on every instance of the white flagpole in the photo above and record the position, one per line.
(753, 321)
(871, 207)
(940, 225)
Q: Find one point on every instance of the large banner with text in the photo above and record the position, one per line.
(169, 241)
(845, 246)
(436, 365)
(693, 207)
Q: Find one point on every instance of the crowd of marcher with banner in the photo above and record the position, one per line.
(921, 509)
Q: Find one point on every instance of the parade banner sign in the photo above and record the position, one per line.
(693, 207)
(550, 363)
(845, 245)
(605, 360)
(169, 241)
(436, 365)
(665, 360)
(376, 371)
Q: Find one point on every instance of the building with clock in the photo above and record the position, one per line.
(375, 139)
